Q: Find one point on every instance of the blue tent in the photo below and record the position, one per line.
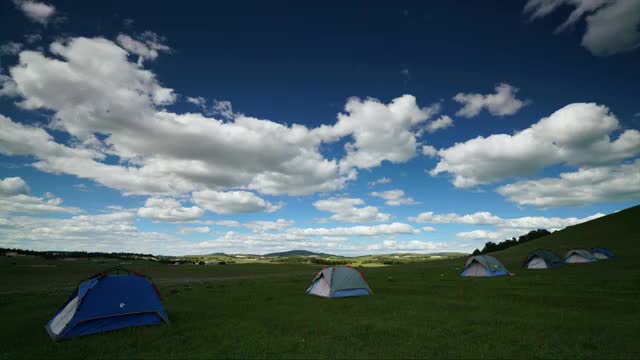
(108, 302)
(602, 253)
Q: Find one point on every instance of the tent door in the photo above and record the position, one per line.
(320, 288)
(62, 319)
(475, 269)
(537, 263)
(577, 259)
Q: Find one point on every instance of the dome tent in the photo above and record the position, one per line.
(602, 253)
(483, 265)
(337, 282)
(579, 256)
(108, 302)
(542, 259)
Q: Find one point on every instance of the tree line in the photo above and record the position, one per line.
(493, 247)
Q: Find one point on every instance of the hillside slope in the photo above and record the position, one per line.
(618, 231)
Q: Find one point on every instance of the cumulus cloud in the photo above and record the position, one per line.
(114, 231)
(442, 122)
(578, 134)
(478, 218)
(428, 150)
(13, 186)
(394, 197)
(502, 103)
(347, 210)
(147, 46)
(375, 230)
(115, 108)
(10, 48)
(194, 229)
(170, 210)
(582, 187)
(380, 132)
(15, 198)
(39, 12)
(412, 245)
(7, 86)
(611, 25)
(232, 202)
(428, 229)
(487, 218)
(120, 99)
(267, 226)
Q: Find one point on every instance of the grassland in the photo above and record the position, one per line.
(420, 309)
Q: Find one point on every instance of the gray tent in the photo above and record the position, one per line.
(579, 256)
(542, 259)
(335, 282)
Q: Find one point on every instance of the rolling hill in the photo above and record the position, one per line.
(618, 231)
(297, 253)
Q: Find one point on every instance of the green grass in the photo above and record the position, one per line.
(419, 309)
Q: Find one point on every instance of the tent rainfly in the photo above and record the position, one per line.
(483, 265)
(337, 282)
(108, 302)
(579, 256)
(602, 253)
(542, 259)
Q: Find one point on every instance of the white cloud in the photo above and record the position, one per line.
(13, 186)
(194, 229)
(170, 210)
(578, 134)
(346, 210)
(582, 187)
(267, 226)
(394, 197)
(199, 101)
(36, 11)
(224, 109)
(7, 86)
(32, 38)
(478, 218)
(487, 218)
(442, 122)
(124, 103)
(15, 198)
(120, 99)
(115, 231)
(147, 46)
(412, 245)
(10, 48)
(382, 180)
(375, 230)
(502, 103)
(429, 151)
(429, 229)
(380, 132)
(232, 202)
(481, 235)
(611, 25)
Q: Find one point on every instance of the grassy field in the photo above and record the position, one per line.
(419, 310)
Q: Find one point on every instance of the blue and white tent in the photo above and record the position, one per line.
(483, 266)
(108, 302)
(602, 253)
(578, 256)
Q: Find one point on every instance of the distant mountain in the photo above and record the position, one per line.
(296, 253)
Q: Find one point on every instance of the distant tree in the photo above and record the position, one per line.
(476, 252)
(531, 235)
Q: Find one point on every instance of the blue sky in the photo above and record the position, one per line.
(351, 129)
